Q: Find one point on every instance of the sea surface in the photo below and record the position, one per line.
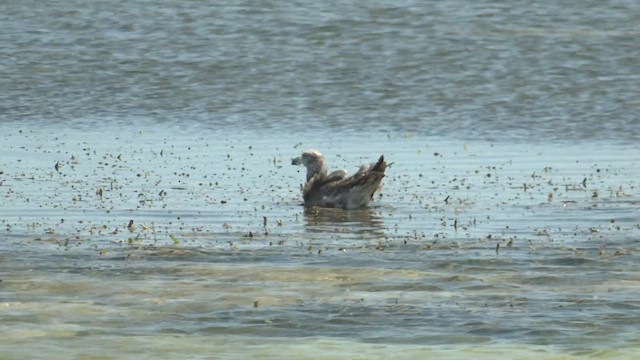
(149, 208)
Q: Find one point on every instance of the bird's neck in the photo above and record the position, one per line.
(316, 169)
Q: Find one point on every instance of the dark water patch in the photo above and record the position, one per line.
(542, 280)
(572, 262)
(409, 286)
(546, 336)
(624, 305)
(449, 339)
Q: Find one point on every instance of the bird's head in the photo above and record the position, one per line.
(312, 160)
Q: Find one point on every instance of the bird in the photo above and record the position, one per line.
(336, 189)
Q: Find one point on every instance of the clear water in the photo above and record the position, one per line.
(508, 225)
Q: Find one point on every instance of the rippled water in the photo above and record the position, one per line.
(149, 208)
(453, 68)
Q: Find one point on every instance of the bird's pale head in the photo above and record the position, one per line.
(312, 160)
(309, 157)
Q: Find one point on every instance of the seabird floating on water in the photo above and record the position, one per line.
(337, 189)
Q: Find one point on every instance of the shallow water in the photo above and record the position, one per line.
(149, 208)
(455, 258)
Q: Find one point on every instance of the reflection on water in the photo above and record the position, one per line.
(365, 220)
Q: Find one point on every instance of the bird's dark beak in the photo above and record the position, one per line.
(296, 161)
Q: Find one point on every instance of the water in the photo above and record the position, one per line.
(507, 225)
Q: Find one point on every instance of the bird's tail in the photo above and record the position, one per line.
(380, 166)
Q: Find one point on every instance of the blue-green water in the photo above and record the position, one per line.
(508, 225)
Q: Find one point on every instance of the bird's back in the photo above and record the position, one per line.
(348, 192)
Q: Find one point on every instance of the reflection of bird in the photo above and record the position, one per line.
(337, 189)
(363, 221)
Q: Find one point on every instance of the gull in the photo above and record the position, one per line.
(336, 189)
